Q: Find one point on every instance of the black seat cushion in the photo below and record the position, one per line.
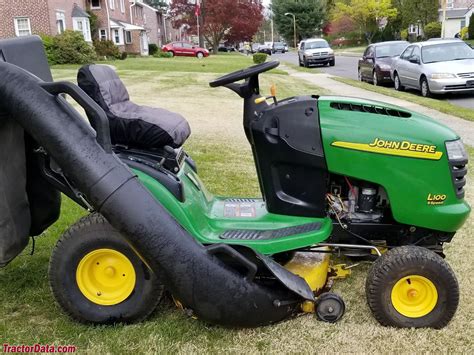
(130, 124)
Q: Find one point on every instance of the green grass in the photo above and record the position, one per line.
(436, 104)
(28, 313)
(221, 63)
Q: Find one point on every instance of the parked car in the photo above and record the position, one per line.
(315, 51)
(265, 48)
(278, 47)
(435, 67)
(185, 49)
(226, 49)
(286, 47)
(376, 62)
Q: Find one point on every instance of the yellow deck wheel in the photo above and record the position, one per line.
(414, 296)
(105, 277)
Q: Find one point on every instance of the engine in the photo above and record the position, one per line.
(356, 201)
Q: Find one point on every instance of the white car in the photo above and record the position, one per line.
(315, 51)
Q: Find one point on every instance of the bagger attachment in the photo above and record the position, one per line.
(251, 290)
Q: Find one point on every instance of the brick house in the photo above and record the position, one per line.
(131, 25)
(51, 17)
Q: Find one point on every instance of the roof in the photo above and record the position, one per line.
(456, 13)
(126, 26)
(388, 42)
(78, 12)
(440, 41)
(145, 5)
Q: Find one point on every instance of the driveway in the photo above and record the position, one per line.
(346, 67)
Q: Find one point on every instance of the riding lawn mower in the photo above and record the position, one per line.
(338, 176)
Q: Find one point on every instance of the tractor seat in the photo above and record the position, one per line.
(131, 125)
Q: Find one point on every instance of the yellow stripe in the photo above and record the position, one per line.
(398, 152)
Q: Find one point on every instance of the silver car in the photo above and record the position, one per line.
(315, 51)
(435, 67)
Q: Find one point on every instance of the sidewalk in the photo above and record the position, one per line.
(464, 128)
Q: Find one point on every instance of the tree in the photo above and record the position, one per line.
(309, 14)
(157, 4)
(417, 11)
(229, 20)
(432, 30)
(367, 14)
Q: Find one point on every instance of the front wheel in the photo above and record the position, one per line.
(305, 63)
(411, 286)
(96, 277)
(200, 55)
(359, 75)
(332, 62)
(425, 87)
(397, 83)
(375, 79)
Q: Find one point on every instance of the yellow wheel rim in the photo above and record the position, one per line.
(105, 277)
(414, 296)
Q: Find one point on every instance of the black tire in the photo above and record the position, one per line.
(397, 83)
(425, 87)
(394, 268)
(92, 233)
(332, 63)
(305, 63)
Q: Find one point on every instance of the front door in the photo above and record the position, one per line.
(143, 43)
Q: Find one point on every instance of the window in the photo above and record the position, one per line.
(128, 37)
(405, 55)
(122, 6)
(117, 36)
(82, 24)
(22, 26)
(416, 53)
(95, 4)
(103, 34)
(112, 4)
(187, 45)
(449, 4)
(60, 21)
(463, 23)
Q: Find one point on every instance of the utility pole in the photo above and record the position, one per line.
(294, 27)
(443, 23)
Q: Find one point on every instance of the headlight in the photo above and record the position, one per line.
(442, 76)
(456, 150)
(384, 66)
(308, 53)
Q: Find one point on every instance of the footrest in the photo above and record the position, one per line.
(248, 234)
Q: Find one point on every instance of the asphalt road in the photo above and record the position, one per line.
(346, 67)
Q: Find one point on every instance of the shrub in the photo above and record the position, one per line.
(404, 34)
(152, 48)
(464, 33)
(106, 49)
(471, 27)
(160, 54)
(259, 58)
(69, 48)
(432, 30)
(48, 43)
(123, 55)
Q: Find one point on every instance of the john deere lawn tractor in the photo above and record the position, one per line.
(338, 175)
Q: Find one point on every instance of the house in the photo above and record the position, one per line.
(51, 17)
(131, 25)
(458, 14)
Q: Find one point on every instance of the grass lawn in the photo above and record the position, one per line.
(437, 104)
(28, 313)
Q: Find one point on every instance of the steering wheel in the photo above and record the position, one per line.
(244, 73)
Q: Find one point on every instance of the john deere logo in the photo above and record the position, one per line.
(436, 199)
(399, 148)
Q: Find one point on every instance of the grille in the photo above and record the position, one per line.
(458, 173)
(379, 110)
(466, 75)
(456, 87)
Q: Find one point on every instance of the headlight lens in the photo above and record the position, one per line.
(384, 66)
(456, 150)
(442, 76)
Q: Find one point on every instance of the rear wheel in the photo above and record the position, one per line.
(425, 87)
(359, 74)
(171, 53)
(412, 286)
(201, 55)
(96, 276)
(397, 83)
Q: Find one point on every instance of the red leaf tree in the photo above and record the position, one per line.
(230, 20)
